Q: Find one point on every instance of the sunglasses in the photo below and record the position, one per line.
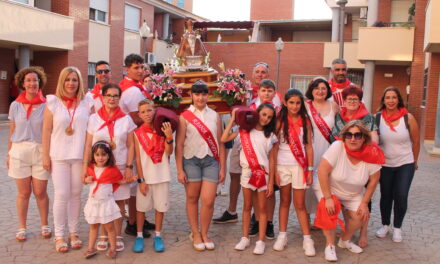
(102, 71)
(357, 135)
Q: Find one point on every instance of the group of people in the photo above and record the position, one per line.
(320, 150)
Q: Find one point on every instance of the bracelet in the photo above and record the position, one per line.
(129, 166)
(170, 142)
(310, 168)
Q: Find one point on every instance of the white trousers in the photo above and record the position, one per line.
(66, 177)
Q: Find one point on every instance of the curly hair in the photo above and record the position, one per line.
(19, 76)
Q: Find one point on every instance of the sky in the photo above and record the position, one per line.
(239, 10)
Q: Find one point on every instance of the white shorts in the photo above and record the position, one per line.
(157, 197)
(349, 203)
(25, 160)
(292, 175)
(234, 160)
(246, 176)
(123, 192)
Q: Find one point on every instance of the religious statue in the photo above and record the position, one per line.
(192, 54)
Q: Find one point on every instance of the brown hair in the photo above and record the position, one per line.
(19, 76)
(352, 90)
(359, 124)
(105, 146)
(399, 97)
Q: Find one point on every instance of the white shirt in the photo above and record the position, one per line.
(95, 102)
(285, 155)
(262, 146)
(123, 126)
(130, 99)
(104, 191)
(195, 145)
(346, 179)
(62, 146)
(154, 173)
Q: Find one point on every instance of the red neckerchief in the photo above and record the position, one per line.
(295, 144)
(127, 83)
(110, 121)
(258, 178)
(370, 153)
(110, 175)
(336, 85)
(393, 117)
(154, 147)
(361, 112)
(38, 99)
(204, 132)
(320, 122)
(325, 221)
(255, 91)
(96, 92)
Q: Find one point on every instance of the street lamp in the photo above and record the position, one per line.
(145, 32)
(341, 4)
(279, 45)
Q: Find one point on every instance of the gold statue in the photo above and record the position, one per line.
(192, 53)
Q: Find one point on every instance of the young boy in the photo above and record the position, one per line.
(152, 162)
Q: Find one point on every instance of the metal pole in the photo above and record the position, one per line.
(341, 28)
(278, 68)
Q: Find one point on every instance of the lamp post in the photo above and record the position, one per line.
(145, 32)
(341, 4)
(279, 45)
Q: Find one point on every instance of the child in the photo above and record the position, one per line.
(152, 163)
(101, 207)
(294, 166)
(255, 163)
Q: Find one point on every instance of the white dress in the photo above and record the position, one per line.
(101, 207)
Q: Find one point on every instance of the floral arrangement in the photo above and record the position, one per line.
(164, 90)
(232, 87)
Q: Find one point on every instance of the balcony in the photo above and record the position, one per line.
(40, 29)
(432, 30)
(331, 52)
(386, 45)
(351, 3)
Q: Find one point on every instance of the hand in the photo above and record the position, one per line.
(181, 177)
(269, 190)
(88, 180)
(221, 176)
(416, 166)
(166, 129)
(128, 175)
(277, 179)
(143, 187)
(233, 115)
(46, 163)
(309, 178)
(7, 161)
(363, 211)
(330, 206)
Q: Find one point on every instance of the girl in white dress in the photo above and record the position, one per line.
(101, 207)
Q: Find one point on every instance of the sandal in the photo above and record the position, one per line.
(119, 244)
(46, 232)
(111, 254)
(20, 236)
(60, 245)
(75, 243)
(90, 253)
(102, 244)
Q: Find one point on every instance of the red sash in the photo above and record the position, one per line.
(319, 121)
(258, 178)
(296, 146)
(361, 112)
(110, 121)
(110, 175)
(370, 153)
(325, 221)
(155, 146)
(38, 99)
(204, 132)
(393, 117)
(127, 83)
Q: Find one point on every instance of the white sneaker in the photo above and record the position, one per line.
(383, 231)
(259, 248)
(280, 243)
(330, 253)
(243, 244)
(397, 235)
(309, 248)
(352, 247)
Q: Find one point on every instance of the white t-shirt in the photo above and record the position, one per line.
(285, 155)
(95, 102)
(262, 146)
(130, 99)
(104, 190)
(123, 126)
(62, 146)
(154, 173)
(346, 179)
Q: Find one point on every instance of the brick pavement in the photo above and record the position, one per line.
(421, 231)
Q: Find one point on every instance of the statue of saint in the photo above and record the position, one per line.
(192, 52)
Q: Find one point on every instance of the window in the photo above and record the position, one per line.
(98, 10)
(301, 82)
(26, 2)
(132, 17)
(91, 80)
(180, 3)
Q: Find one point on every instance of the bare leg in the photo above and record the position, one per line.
(285, 199)
(363, 237)
(23, 195)
(247, 209)
(158, 218)
(118, 222)
(93, 233)
(192, 208)
(300, 208)
(255, 206)
(270, 208)
(353, 224)
(40, 193)
(207, 196)
(132, 210)
(140, 217)
(262, 206)
(234, 191)
(110, 229)
(330, 236)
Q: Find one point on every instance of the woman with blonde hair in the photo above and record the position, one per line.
(64, 134)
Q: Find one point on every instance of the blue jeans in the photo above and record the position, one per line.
(205, 169)
(394, 188)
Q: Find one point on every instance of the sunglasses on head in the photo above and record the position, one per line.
(102, 71)
(357, 135)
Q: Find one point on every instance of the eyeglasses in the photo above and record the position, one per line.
(102, 71)
(357, 135)
(354, 100)
(112, 96)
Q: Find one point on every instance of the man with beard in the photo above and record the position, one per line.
(339, 81)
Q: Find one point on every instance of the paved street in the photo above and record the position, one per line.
(421, 230)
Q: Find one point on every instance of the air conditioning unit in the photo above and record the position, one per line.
(363, 13)
(150, 58)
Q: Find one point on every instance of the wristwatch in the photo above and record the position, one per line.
(170, 142)
(140, 180)
(310, 168)
(129, 166)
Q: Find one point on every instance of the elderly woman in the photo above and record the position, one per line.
(109, 123)
(24, 144)
(344, 170)
(399, 139)
(64, 134)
